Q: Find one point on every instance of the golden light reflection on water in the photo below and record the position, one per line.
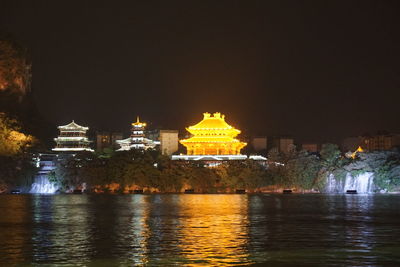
(132, 227)
(14, 216)
(61, 223)
(214, 229)
(198, 230)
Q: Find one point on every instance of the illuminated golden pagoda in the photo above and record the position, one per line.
(213, 136)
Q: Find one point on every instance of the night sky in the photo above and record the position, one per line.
(316, 70)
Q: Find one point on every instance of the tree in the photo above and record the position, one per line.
(201, 178)
(171, 178)
(16, 166)
(330, 155)
(12, 141)
(304, 170)
(14, 67)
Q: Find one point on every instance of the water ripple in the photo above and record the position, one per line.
(199, 230)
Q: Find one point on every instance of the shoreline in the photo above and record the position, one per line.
(180, 193)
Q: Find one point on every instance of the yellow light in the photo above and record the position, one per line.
(138, 123)
(213, 136)
(208, 218)
(359, 149)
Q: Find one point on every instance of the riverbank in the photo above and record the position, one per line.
(124, 172)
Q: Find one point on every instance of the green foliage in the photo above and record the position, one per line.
(172, 176)
(340, 174)
(383, 178)
(17, 170)
(274, 155)
(149, 170)
(12, 141)
(330, 155)
(387, 175)
(233, 175)
(300, 170)
(16, 166)
(201, 179)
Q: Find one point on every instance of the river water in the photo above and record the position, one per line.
(200, 230)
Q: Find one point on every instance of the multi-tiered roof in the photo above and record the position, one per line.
(213, 136)
(137, 140)
(72, 138)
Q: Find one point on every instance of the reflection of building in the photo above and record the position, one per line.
(213, 139)
(283, 144)
(59, 240)
(227, 216)
(169, 141)
(259, 143)
(72, 138)
(107, 140)
(137, 231)
(310, 147)
(137, 140)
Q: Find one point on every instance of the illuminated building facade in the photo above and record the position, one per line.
(137, 140)
(381, 142)
(72, 138)
(168, 141)
(212, 139)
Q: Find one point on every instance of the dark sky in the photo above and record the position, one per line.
(316, 70)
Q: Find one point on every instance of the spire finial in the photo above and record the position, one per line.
(137, 119)
(206, 115)
(217, 115)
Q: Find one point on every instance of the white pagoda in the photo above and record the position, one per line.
(72, 138)
(137, 140)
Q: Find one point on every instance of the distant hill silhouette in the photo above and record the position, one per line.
(16, 97)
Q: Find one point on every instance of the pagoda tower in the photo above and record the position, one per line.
(137, 140)
(72, 138)
(213, 136)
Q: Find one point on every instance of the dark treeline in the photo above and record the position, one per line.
(151, 172)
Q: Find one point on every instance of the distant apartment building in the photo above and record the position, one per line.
(381, 142)
(283, 144)
(259, 143)
(310, 147)
(371, 143)
(107, 140)
(168, 141)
